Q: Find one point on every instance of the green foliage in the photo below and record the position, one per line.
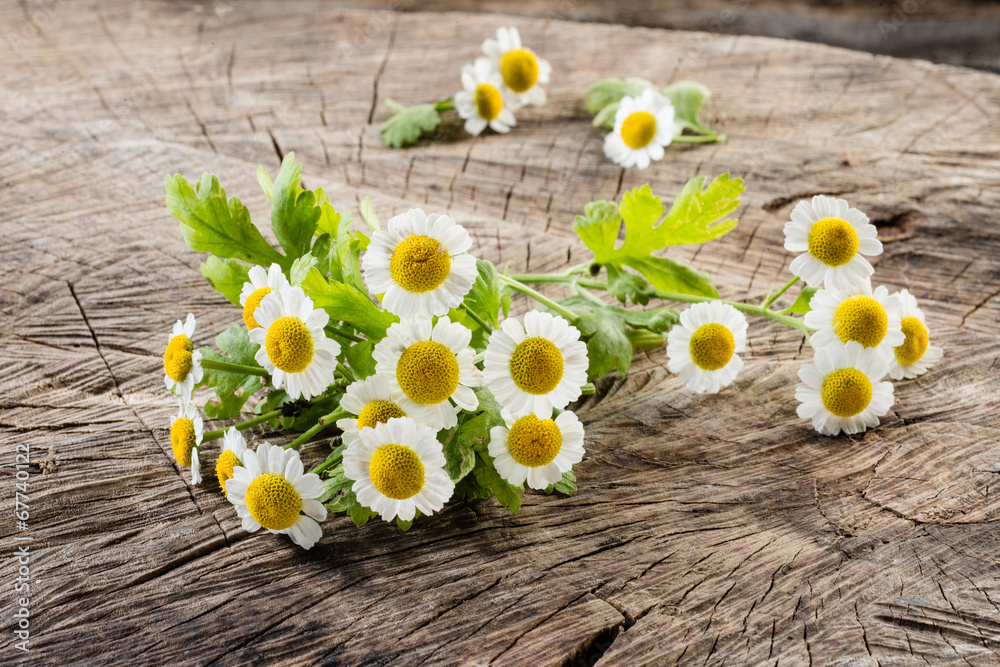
(226, 276)
(360, 359)
(484, 299)
(488, 478)
(566, 486)
(688, 97)
(408, 123)
(294, 212)
(344, 303)
(233, 389)
(301, 268)
(802, 305)
(603, 97)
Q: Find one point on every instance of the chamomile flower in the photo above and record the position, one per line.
(186, 432)
(858, 313)
(521, 69)
(430, 365)
(398, 468)
(536, 450)
(537, 366)
(833, 238)
(644, 125)
(842, 391)
(375, 400)
(293, 347)
(485, 100)
(262, 282)
(233, 446)
(420, 262)
(181, 361)
(272, 490)
(703, 349)
(915, 355)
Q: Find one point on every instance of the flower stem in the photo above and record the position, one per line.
(699, 139)
(320, 424)
(267, 416)
(478, 320)
(326, 465)
(227, 367)
(518, 286)
(774, 297)
(345, 371)
(587, 389)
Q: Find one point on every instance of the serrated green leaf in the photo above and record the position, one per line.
(611, 91)
(699, 215)
(329, 218)
(458, 445)
(687, 98)
(344, 303)
(300, 268)
(406, 126)
(487, 476)
(566, 486)
(232, 389)
(627, 286)
(802, 302)
(673, 276)
(491, 408)
(226, 276)
(368, 215)
(360, 359)
(321, 250)
(358, 512)
(484, 297)
(264, 179)
(294, 212)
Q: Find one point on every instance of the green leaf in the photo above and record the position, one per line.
(484, 297)
(611, 91)
(329, 218)
(699, 215)
(802, 305)
(348, 255)
(344, 303)
(321, 250)
(405, 525)
(627, 286)
(294, 212)
(232, 389)
(358, 512)
(408, 123)
(301, 268)
(368, 214)
(226, 276)
(673, 276)
(492, 409)
(605, 118)
(566, 486)
(360, 359)
(211, 223)
(457, 443)
(264, 179)
(487, 476)
(687, 98)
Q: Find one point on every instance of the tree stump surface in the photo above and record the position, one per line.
(707, 530)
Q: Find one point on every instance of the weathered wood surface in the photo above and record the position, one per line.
(706, 530)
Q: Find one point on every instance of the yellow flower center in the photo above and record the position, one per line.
(534, 442)
(638, 129)
(224, 468)
(846, 392)
(251, 305)
(419, 263)
(273, 502)
(289, 344)
(917, 338)
(519, 69)
(378, 412)
(177, 359)
(862, 319)
(427, 372)
(536, 365)
(712, 346)
(182, 440)
(396, 471)
(833, 241)
(489, 103)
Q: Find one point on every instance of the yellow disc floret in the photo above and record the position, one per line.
(638, 129)
(534, 442)
(224, 468)
(378, 412)
(536, 365)
(862, 319)
(427, 372)
(396, 471)
(273, 502)
(489, 103)
(712, 346)
(251, 305)
(177, 359)
(289, 344)
(182, 440)
(519, 69)
(419, 263)
(833, 241)
(917, 339)
(846, 392)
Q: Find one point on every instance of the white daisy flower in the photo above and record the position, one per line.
(293, 347)
(375, 400)
(186, 432)
(521, 69)
(703, 348)
(914, 356)
(842, 392)
(535, 367)
(233, 446)
(181, 361)
(430, 366)
(832, 237)
(485, 100)
(644, 125)
(421, 264)
(261, 284)
(271, 489)
(398, 468)
(857, 313)
(536, 450)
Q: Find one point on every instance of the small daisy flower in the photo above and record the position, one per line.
(536, 367)
(703, 348)
(181, 361)
(644, 125)
(832, 237)
(261, 284)
(375, 400)
(186, 432)
(421, 264)
(857, 313)
(272, 490)
(485, 100)
(430, 365)
(915, 355)
(233, 446)
(536, 450)
(293, 347)
(843, 392)
(521, 69)
(398, 468)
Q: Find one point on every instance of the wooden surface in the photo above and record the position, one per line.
(716, 530)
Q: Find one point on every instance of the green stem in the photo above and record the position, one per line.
(326, 465)
(345, 371)
(447, 104)
(320, 424)
(227, 367)
(774, 297)
(518, 286)
(478, 320)
(267, 416)
(337, 331)
(587, 389)
(699, 139)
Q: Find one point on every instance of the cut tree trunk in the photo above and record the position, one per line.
(706, 529)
